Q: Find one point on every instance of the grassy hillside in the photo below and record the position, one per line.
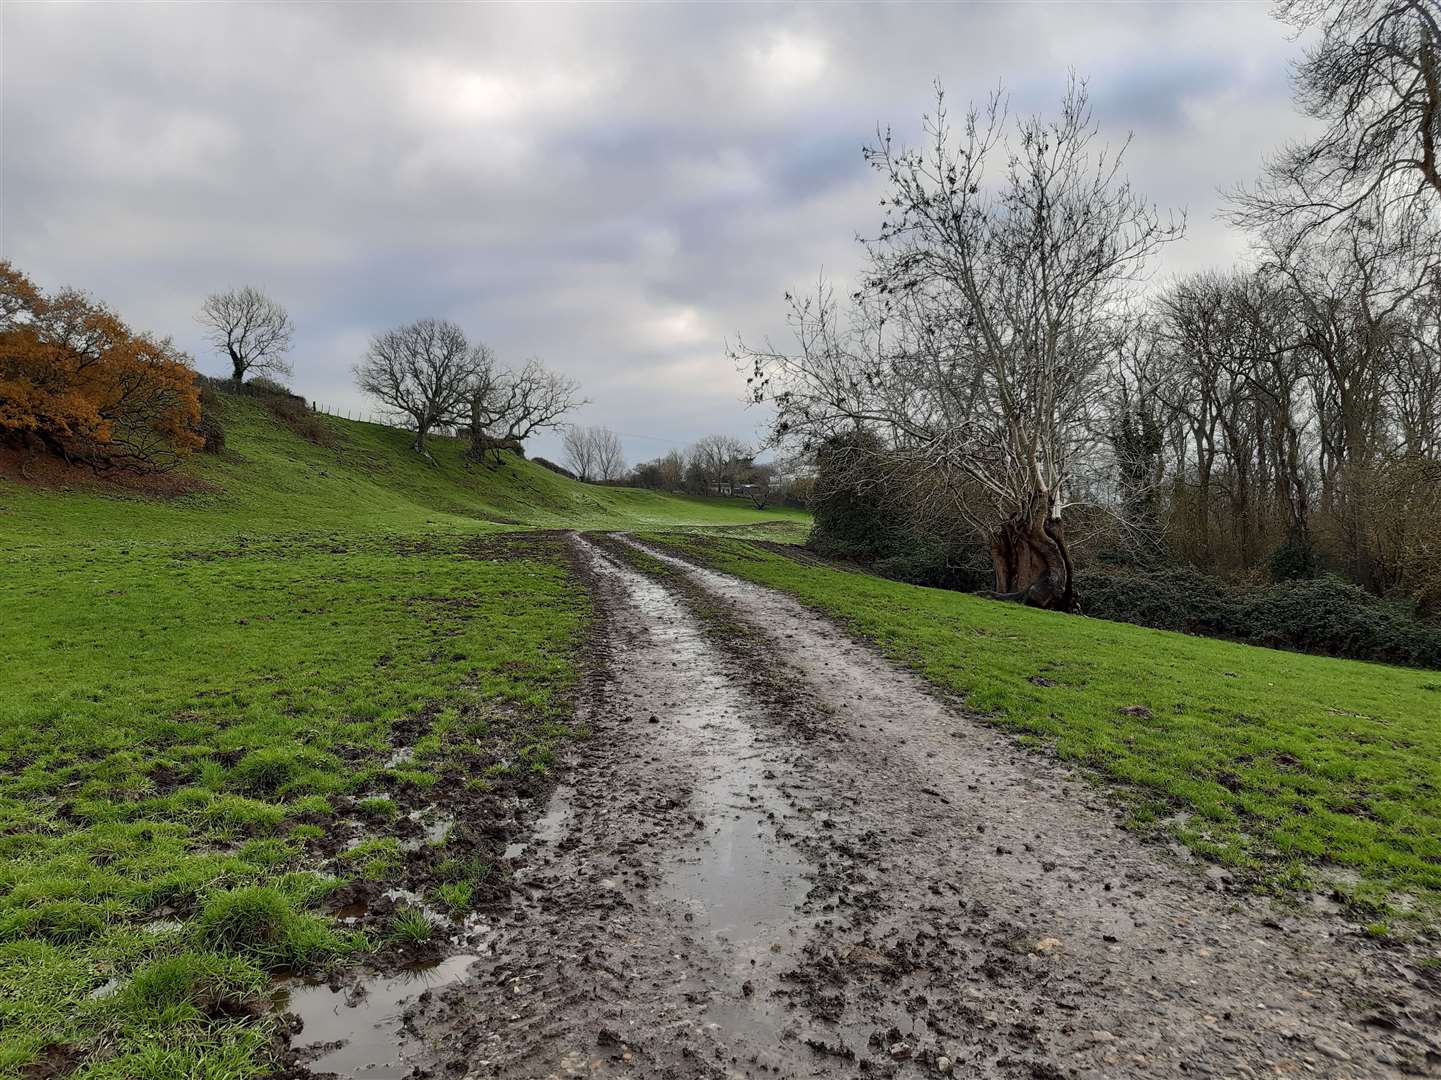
(270, 480)
(223, 714)
(1295, 771)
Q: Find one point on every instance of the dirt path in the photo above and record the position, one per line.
(780, 856)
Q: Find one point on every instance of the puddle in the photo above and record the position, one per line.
(432, 832)
(400, 756)
(550, 827)
(106, 989)
(742, 886)
(366, 1020)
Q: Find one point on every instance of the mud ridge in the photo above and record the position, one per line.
(781, 856)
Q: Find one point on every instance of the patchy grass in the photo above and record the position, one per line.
(1296, 771)
(220, 712)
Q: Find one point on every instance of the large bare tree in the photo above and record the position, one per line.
(1374, 81)
(252, 329)
(424, 371)
(508, 406)
(976, 347)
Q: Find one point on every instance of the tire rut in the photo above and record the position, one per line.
(778, 855)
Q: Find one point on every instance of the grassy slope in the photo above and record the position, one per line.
(1293, 769)
(197, 692)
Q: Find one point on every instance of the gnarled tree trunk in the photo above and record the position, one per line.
(1032, 561)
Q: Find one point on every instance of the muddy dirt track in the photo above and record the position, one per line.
(780, 856)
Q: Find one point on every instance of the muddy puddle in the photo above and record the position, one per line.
(358, 1031)
(549, 827)
(742, 884)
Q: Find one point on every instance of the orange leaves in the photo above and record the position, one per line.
(75, 378)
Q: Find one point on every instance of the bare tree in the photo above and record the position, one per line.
(609, 455)
(758, 482)
(719, 460)
(977, 348)
(253, 330)
(1374, 80)
(424, 371)
(594, 453)
(507, 407)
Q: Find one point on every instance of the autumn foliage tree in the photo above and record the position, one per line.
(79, 383)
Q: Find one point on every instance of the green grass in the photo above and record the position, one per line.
(1297, 771)
(199, 692)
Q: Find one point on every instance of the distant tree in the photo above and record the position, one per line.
(719, 459)
(672, 470)
(425, 371)
(759, 483)
(594, 453)
(579, 452)
(252, 329)
(507, 407)
(666, 473)
(609, 456)
(77, 380)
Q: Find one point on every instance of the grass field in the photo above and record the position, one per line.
(1297, 772)
(223, 713)
(206, 699)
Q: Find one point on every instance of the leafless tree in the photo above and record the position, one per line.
(1374, 80)
(609, 455)
(759, 483)
(977, 347)
(253, 330)
(594, 453)
(719, 460)
(424, 371)
(508, 406)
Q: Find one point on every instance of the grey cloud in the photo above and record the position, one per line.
(616, 189)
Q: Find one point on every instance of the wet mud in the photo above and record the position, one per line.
(778, 855)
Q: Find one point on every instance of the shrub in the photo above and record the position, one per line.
(78, 381)
(1332, 617)
(1293, 560)
(1319, 615)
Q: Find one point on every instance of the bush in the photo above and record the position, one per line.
(263, 386)
(560, 470)
(77, 381)
(1293, 560)
(1320, 615)
(1332, 617)
(857, 519)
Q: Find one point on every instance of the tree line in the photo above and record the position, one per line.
(1007, 386)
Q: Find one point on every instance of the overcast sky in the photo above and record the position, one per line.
(615, 189)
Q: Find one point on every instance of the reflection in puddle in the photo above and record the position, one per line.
(743, 885)
(365, 1020)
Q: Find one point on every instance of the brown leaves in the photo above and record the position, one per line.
(74, 377)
